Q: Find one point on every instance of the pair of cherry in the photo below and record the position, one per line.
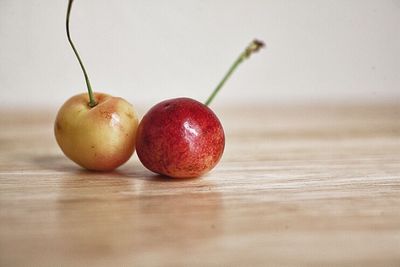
(178, 137)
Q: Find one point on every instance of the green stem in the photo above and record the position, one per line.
(252, 48)
(92, 101)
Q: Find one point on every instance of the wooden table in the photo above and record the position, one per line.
(297, 186)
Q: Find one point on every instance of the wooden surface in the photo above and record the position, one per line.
(297, 186)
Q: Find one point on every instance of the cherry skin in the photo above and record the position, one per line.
(180, 138)
(100, 138)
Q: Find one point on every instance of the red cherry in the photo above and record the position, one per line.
(180, 138)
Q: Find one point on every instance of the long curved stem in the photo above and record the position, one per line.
(92, 101)
(254, 46)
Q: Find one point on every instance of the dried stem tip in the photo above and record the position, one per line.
(253, 47)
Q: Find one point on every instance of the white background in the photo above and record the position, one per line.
(150, 50)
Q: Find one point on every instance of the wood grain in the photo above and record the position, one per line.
(315, 185)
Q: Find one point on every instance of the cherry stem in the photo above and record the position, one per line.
(92, 101)
(253, 47)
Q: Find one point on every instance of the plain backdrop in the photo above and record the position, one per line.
(150, 50)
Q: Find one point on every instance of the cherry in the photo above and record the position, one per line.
(95, 130)
(182, 137)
